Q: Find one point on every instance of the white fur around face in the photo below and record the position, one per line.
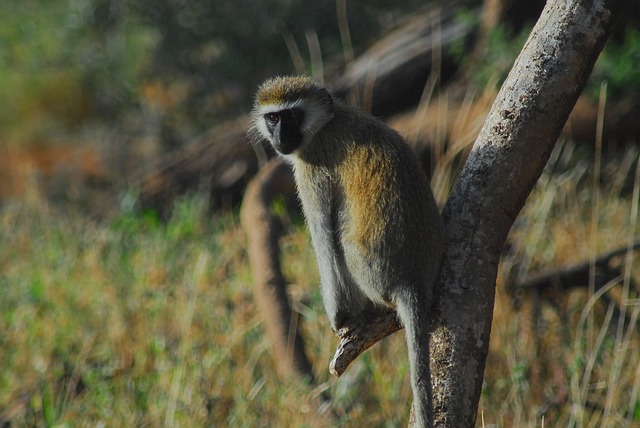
(260, 111)
(316, 116)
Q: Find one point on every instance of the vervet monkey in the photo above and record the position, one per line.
(374, 224)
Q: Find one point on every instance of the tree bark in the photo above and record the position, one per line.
(505, 162)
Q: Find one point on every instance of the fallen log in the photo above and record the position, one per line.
(605, 269)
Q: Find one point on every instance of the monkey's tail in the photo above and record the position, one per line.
(412, 308)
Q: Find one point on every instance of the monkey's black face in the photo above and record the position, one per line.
(284, 127)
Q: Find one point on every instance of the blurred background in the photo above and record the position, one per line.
(125, 292)
(97, 90)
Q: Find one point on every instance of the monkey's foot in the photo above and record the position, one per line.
(358, 335)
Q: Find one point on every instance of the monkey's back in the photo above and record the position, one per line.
(391, 230)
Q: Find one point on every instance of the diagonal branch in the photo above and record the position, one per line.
(505, 162)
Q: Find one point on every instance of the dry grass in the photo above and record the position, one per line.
(562, 357)
(138, 323)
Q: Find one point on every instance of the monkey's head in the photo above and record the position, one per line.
(288, 111)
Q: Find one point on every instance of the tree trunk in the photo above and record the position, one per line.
(505, 162)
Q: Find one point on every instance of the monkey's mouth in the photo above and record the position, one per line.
(284, 148)
(286, 141)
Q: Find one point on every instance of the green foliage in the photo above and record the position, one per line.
(502, 48)
(459, 49)
(64, 64)
(168, 68)
(618, 65)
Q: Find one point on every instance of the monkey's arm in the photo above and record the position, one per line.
(330, 280)
(319, 214)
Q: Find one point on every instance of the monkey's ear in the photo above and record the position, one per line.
(326, 95)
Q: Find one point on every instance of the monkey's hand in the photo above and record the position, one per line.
(359, 334)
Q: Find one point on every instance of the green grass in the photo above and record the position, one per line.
(134, 322)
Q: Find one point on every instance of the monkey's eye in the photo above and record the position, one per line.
(272, 118)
